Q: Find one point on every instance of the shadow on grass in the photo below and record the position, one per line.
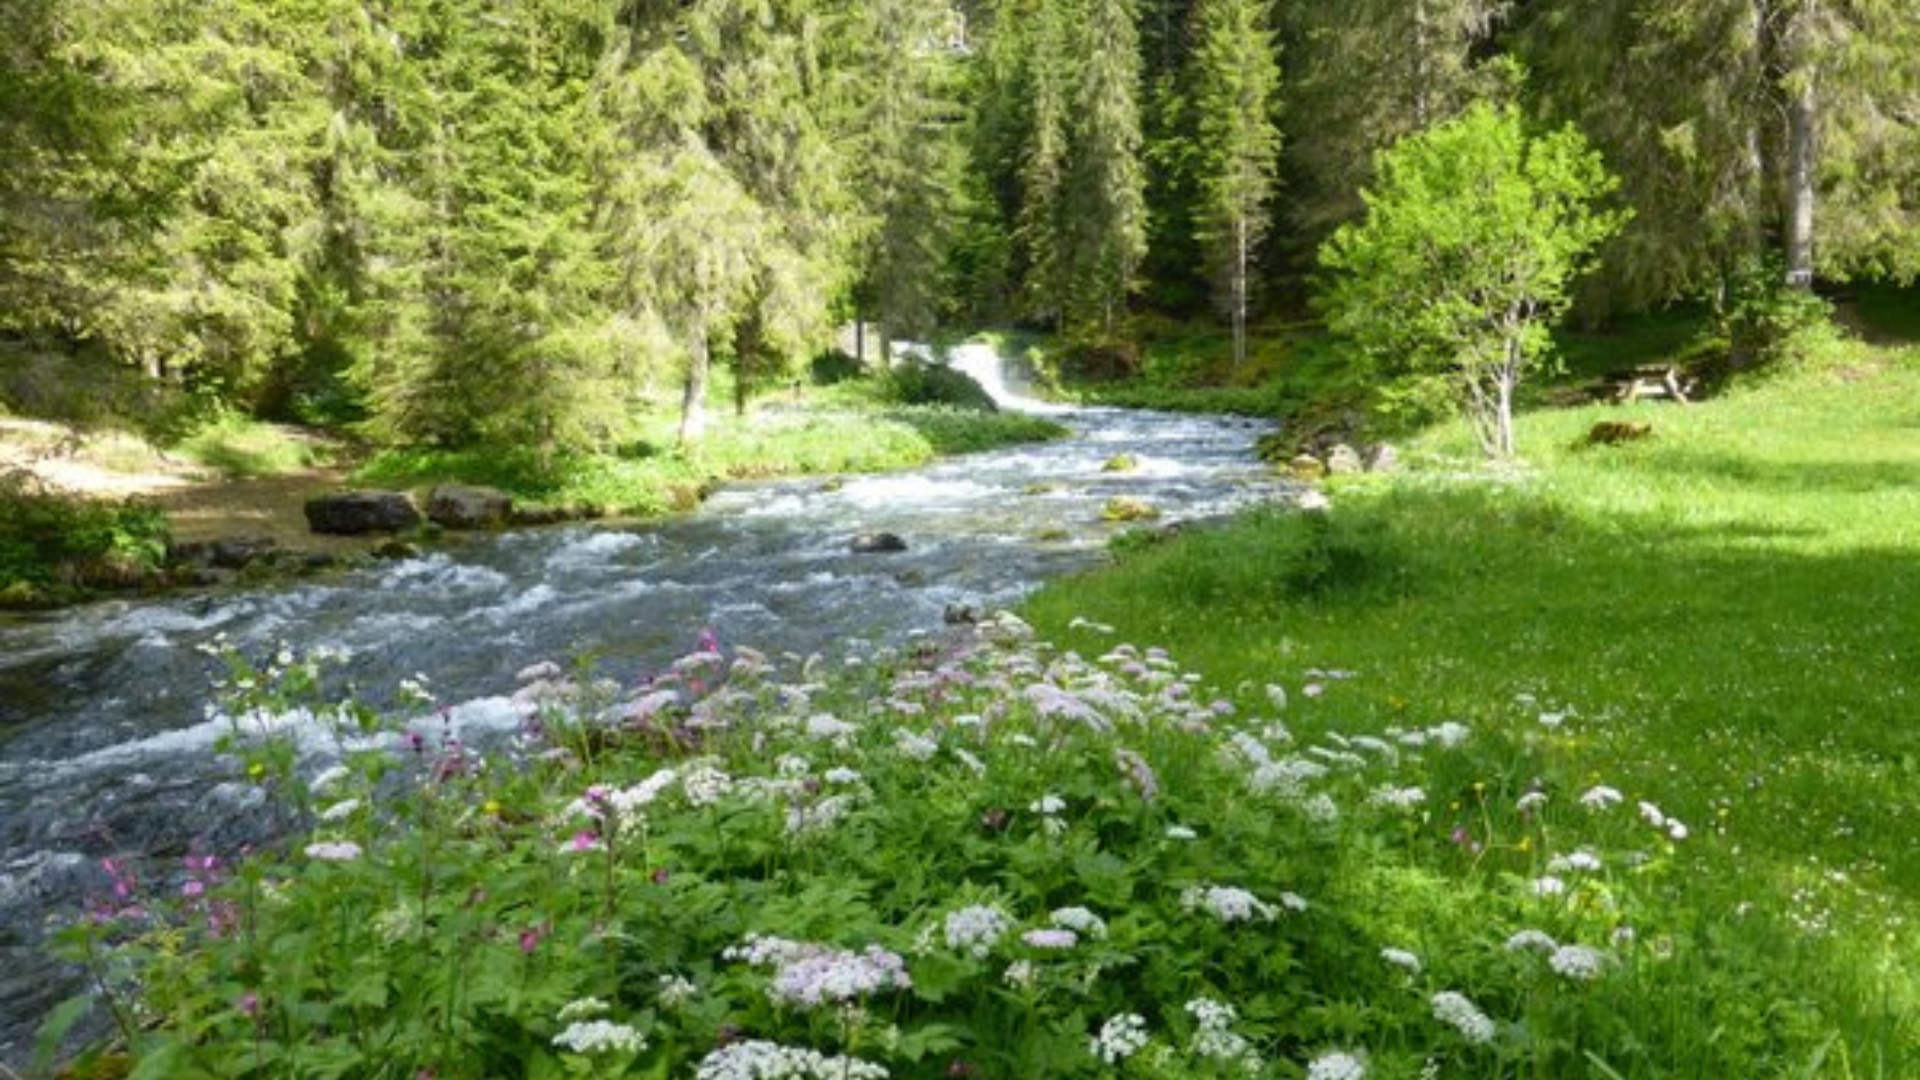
(1852, 477)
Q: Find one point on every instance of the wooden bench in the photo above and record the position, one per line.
(1650, 381)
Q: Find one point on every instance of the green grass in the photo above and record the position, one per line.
(237, 447)
(1727, 610)
(844, 432)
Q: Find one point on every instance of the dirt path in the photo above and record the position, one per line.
(201, 503)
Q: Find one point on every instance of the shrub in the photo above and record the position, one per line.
(915, 383)
(49, 540)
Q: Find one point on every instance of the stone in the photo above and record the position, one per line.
(960, 615)
(1126, 508)
(1383, 458)
(1306, 467)
(356, 513)
(876, 543)
(1313, 501)
(1121, 463)
(397, 550)
(1344, 460)
(459, 506)
(234, 553)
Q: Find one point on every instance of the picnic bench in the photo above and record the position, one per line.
(1649, 381)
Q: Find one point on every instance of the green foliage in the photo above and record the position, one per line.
(916, 383)
(1768, 323)
(1473, 236)
(52, 545)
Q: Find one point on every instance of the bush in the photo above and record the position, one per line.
(834, 367)
(51, 544)
(917, 383)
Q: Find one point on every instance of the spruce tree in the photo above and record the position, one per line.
(1103, 208)
(1236, 78)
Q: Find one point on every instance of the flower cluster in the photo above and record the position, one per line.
(599, 1037)
(1227, 903)
(975, 930)
(1457, 1011)
(1120, 1038)
(755, 1059)
(806, 975)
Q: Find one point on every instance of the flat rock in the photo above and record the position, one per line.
(459, 506)
(1344, 460)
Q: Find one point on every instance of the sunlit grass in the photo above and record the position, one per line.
(1727, 606)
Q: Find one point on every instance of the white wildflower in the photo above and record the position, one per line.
(1600, 797)
(1401, 958)
(1320, 809)
(1120, 1038)
(803, 818)
(1227, 903)
(676, 991)
(1081, 920)
(970, 760)
(704, 785)
(1531, 801)
(976, 929)
(1531, 939)
(1285, 777)
(1051, 938)
(1582, 861)
(834, 977)
(1405, 798)
(1577, 962)
(840, 774)
(1277, 697)
(1464, 1016)
(1337, 1065)
(1181, 832)
(792, 766)
(755, 1059)
(1676, 830)
(334, 851)
(1552, 720)
(582, 1009)
(328, 777)
(1549, 886)
(1215, 1038)
(599, 1036)
(1293, 902)
(914, 746)
(340, 811)
(1020, 974)
(1449, 734)
(1048, 804)
(1651, 815)
(828, 728)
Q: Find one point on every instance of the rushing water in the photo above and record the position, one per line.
(106, 739)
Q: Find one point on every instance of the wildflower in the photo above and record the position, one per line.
(1397, 798)
(705, 785)
(1051, 938)
(1531, 939)
(584, 840)
(1081, 920)
(976, 929)
(1552, 720)
(1120, 1038)
(1548, 885)
(582, 1009)
(913, 746)
(1285, 777)
(530, 942)
(334, 851)
(829, 728)
(248, 1004)
(1336, 1065)
(1020, 974)
(1227, 903)
(1577, 962)
(1277, 697)
(1582, 861)
(1531, 801)
(1450, 734)
(1651, 815)
(835, 977)
(328, 777)
(1676, 830)
(1401, 958)
(599, 1036)
(676, 991)
(755, 1059)
(1600, 797)
(1214, 1037)
(340, 811)
(1463, 1015)
(1138, 773)
(1048, 804)
(841, 775)
(1293, 902)
(1181, 832)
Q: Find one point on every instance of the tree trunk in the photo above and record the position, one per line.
(1422, 107)
(1239, 292)
(693, 399)
(1507, 377)
(1802, 115)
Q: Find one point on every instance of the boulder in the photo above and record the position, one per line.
(1121, 463)
(234, 553)
(876, 543)
(1343, 460)
(1306, 467)
(356, 513)
(1126, 508)
(457, 506)
(1383, 458)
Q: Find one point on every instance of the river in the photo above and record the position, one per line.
(106, 733)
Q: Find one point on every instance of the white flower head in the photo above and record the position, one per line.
(1600, 797)
(756, 1059)
(1402, 959)
(1120, 1038)
(1463, 1015)
(1549, 886)
(1079, 920)
(976, 929)
(1227, 903)
(333, 851)
(1337, 1065)
(1577, 962)
(1403, 798)
(1531, 801)
(1535, 940)
(598, 1037)
(582, 1009)
(1048, 804)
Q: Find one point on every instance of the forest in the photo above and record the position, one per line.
(501, 222)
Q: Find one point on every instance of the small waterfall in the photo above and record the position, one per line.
(984, 364)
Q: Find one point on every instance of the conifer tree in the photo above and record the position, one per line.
(1236, 78)
(1103, 209)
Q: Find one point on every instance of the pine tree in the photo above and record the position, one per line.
(1103, 209)
(1236, 78)
(1049, 77)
